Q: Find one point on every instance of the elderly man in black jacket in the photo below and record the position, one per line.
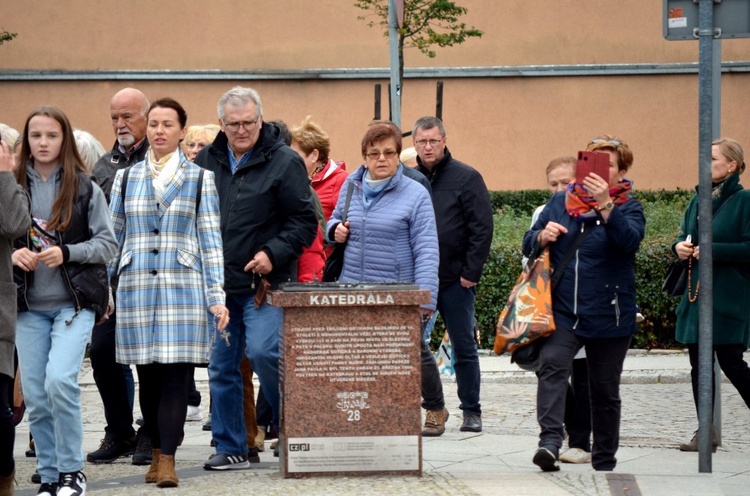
(464, 223)
(267, 217)
(127, 111)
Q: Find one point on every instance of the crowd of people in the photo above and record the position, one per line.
(160, 253)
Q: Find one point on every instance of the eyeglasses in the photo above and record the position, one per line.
(600, 140)
(432, 142)
(388, 154)
(235, 126)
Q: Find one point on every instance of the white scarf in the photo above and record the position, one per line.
(162, 172)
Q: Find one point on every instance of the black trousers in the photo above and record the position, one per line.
(605, 358)
(7, 429)
(163, 391)
(578, 407)
(732, 363)
(111, 381)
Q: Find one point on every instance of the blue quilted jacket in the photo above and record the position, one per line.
(395, 240)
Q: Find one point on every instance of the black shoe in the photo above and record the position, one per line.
(110, 450)
(276, 450)
(207, 425)
(252, 455)
(472, 423)
(226, 462)
(143, 452)
(72, 484)
(546, 459)
(36, 478)
(47, 489)
(139, 421)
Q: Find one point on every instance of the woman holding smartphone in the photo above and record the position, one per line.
(599, 226)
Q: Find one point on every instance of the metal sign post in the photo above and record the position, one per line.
(393, 25)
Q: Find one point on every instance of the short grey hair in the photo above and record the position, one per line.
(238, 97)
(8, 134)
(89, 148)
(428, 122)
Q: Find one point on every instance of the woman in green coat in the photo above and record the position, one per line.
(731, 264)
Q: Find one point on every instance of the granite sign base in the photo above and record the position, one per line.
(350, 380)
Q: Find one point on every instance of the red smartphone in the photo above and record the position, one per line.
(598, 163)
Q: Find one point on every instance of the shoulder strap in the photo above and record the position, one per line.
(349, 191)
(199, 193)
(124, 183)
(560, 269)
(725, 202)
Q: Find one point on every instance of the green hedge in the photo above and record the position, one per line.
(663, 210)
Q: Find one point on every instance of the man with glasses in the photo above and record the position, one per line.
(464, 223)
(267, 217)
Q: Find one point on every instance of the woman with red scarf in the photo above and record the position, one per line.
(593, 302)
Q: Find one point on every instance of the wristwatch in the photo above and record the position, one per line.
(607, 206)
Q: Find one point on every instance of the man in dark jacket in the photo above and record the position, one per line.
(464, 223)
(267, 217)
(128, 110)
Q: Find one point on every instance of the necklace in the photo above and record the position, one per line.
(692, 298)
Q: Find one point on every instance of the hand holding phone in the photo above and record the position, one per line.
(589, 162)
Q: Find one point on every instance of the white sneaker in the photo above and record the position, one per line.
(575, 455)
(194, 414)
(72, 484)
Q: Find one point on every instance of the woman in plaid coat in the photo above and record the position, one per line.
(171, 275)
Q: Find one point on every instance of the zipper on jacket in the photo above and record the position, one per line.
(69, 284)
(575, 285)
(616, 302)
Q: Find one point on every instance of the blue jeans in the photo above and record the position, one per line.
(255, 331)
(50, 354)
(456, 305)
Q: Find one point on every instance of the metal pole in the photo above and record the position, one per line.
(705, 234)
(716, 134)
(395, 82)
(439, 101)
(377, 102)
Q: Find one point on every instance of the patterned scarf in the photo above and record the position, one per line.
(581, 205)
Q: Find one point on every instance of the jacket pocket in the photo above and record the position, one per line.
(125, 260)
(189, 260)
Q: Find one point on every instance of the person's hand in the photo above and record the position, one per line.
(260, 264)
(52, 256)
(341, 233)
(25, 259)
(685, 250)
(697, 252)
(467, 283)
(550, 233)
(597, 187)
(6, 162)
(220, 312)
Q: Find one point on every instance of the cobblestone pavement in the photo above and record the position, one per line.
(655, 416)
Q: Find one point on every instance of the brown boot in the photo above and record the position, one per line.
(6, 484)
(434, 422)
(154, 469)
(166, 476)
(693, 444)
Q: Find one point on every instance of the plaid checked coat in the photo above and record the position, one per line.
(170, 264)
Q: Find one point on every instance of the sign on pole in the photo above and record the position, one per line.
(731, 19)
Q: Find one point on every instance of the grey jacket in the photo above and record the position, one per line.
(14, 221)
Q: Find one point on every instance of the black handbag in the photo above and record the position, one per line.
(527, 356)
(335, 261)
(676, 280)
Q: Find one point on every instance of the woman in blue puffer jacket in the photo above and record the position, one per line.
(391, 237)
(593, 302)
